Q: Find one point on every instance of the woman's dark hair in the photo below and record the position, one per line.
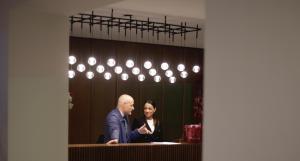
(151, 103)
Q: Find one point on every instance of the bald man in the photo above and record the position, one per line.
(116, 123)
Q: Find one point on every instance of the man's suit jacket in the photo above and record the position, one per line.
(117, 127)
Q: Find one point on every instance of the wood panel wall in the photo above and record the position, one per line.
(93, 99)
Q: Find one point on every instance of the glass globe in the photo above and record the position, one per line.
(136, 71)
(92, 61)
(118, 69)
(180, 67)
(169, 73)
(129, 63)
(111, 62)
(147, 64)
(183, 74)
(81, 67)
(141, 77)
(152, 72)
(196, 69)
(71, 74)
(124, 76)
(172, 79)
(157, 78)
(100, 68)
(164, 66)
(72, 59)
(107, 76)
(90, 75)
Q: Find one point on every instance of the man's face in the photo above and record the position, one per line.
(128, 107)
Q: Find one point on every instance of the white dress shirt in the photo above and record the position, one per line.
(151, 124)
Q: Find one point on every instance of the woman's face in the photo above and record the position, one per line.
(149, 110)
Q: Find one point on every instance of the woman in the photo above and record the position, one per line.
(152, 124)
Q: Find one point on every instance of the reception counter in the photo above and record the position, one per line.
(135, 152)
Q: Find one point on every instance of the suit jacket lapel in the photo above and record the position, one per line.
(147, 125)
(123, 132)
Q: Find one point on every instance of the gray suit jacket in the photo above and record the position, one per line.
(117, 127)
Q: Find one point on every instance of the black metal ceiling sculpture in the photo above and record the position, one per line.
(128, 23)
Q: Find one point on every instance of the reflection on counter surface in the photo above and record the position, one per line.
(164, 143)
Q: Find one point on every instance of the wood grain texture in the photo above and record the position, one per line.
(135, 152)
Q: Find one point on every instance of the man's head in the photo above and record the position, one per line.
(125, 104)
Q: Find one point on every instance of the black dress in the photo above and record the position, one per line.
(156, 136)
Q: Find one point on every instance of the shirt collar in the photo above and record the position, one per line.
(122, 114)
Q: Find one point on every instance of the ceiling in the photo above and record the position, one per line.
(59, 7)
(182, 8)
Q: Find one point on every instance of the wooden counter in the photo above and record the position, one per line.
(135, 152)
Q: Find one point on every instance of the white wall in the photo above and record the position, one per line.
(36, 46)
(37, 86)
(252, 76)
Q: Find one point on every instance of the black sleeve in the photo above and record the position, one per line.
(135, 124)
(160, 135)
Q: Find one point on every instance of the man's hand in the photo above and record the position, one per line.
(143, 130)
(114, 141)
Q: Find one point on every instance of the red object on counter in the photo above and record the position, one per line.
(192, 133)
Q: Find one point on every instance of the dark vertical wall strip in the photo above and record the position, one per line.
(93, 99)
(4, 82)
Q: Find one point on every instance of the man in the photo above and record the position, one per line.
(116, 124)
